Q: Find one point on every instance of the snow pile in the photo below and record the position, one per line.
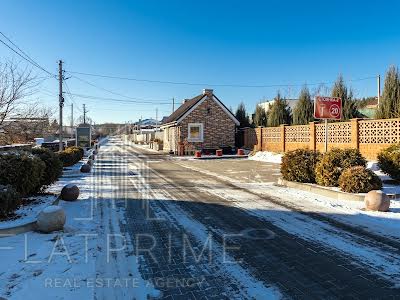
(266, 156)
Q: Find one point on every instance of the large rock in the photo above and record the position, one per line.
(377, 200)
(70, 192)
(92, 157)
(50, 219)
(86, 168)
(90, 162)
(94, 152)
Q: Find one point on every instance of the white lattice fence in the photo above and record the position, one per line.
(297, 134)
(379, 131)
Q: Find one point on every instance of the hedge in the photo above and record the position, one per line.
(359, 180)
(22, 170)
(332, 164)
(71, 156)
(10, 200)
(389, 161)
(299, 165)
(54, 166)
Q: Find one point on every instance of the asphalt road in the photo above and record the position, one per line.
(198, 237)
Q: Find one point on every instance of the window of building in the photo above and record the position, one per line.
(195, 132)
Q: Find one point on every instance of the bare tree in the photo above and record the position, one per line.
(31, 121)
(15, 85)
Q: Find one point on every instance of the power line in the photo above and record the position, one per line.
(24, 55)
(118, 100)
(211, 84)
(109, 91)
(68, 92)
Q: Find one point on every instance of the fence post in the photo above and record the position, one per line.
(259, 146)
(283, 143)
(354, 134)
(313, 138)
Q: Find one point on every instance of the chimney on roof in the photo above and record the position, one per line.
(185, 100)
(209, 92)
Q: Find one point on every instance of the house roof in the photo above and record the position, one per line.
(190, 104)
(185, 107)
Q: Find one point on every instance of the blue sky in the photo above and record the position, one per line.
(213, 42)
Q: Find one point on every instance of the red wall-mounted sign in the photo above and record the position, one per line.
(328, 108)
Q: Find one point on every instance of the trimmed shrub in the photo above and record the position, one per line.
(389, 161)
(299, 165)
(22, 170)
(359, 180)
(71, 156)
(78, 151)
(10, 200)
(54, 166)
(332, 164)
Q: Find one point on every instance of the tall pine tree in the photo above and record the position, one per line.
(303, 112)
(260, 116)
(349, 107)
(279, 112)
(390, 102)
(242, 116)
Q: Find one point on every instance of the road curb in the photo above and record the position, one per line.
(322, 191)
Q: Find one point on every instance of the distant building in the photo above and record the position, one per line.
(290, 102)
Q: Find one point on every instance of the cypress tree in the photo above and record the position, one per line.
(279, 112)
(303, 112)
(260, 116)
(349, 107)
(389, 105)
(241, 116)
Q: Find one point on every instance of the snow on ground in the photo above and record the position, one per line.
(54, 265)
(246, 282)
(348, 212)
(267, 156)
(383, 263)
(51, 266)
(28, 213)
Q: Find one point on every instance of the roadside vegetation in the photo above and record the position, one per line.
(24, 173)
(344, 168)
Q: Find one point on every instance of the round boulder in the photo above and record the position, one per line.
(94, 152)
(86, 168)
(377, 200)
(70, 192)
(52, 218)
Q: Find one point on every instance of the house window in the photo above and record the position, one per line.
(195, 132)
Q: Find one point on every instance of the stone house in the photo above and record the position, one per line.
(201, 123)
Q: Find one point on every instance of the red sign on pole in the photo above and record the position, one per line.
(328, 108)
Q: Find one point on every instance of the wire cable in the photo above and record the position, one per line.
(119, 100)
(109, 91)
(209, 84)
(24, 55)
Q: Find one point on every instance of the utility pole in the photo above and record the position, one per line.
(173, 104)
(156, 119)
(379, 89)
(61, 104)
(84, 113)
(72, 120)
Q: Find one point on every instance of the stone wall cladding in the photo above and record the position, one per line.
(218, 127)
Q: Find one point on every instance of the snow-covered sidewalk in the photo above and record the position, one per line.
(54, 265)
